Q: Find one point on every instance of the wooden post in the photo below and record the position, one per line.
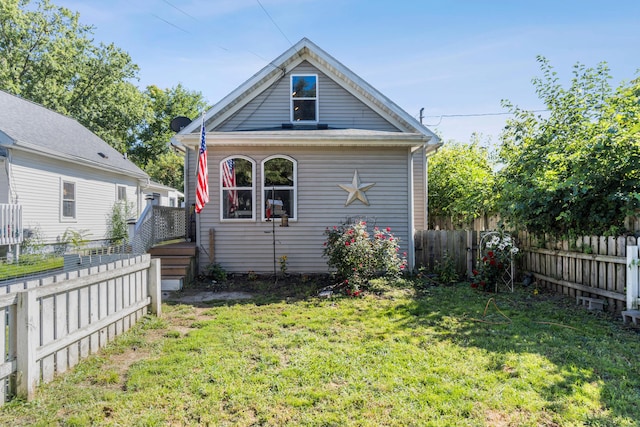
(154, 282)
(28, 331)
(469, 253)
(212, 241)
(632, 278)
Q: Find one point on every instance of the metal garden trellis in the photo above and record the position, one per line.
(507, 274)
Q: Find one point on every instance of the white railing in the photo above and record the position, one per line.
(158, 224)
(50, 324)
(10, 224)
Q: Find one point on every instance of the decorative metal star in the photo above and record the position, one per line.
(356, 190)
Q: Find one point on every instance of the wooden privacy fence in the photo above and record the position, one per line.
(592, 266)
(461, 246)
(53, 322)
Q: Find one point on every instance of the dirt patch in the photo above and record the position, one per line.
(194, 296)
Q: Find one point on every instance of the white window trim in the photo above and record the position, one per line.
(74, 218)
(126, 196)
(253, 190)
(294, 215)
(291, 99)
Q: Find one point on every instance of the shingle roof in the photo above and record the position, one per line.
(28, 125)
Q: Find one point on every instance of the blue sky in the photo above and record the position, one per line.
(454, 57)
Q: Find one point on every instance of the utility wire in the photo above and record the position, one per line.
(274, 23)
(180, 10)
(170, 23)
(443, 116)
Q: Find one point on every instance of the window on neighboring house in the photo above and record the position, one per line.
(172, 202)
(122, 193)
(237, 188)
(68, 200)
(279, 187)
(304, 98)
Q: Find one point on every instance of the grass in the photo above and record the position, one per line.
(29, 265)
(436, 356)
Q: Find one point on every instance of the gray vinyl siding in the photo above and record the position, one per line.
(419, 192)
(337, 107)
(37, 183)
(248, 245)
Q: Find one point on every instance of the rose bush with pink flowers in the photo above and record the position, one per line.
(358, 254)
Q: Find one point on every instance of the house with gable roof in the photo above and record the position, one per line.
(303, 145)
(57, 175)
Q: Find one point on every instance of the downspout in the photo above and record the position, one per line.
(411, 249)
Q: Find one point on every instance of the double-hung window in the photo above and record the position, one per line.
(68, 200)
(122, 193)
(237, 189)
(279, 187)
(304, 98)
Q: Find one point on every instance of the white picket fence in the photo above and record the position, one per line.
(633, 278)
(54, 322)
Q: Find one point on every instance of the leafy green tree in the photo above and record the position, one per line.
(155, 132)
(48, 57)
(576, 169)
(167, 169)
(152, 151)
(461, 182)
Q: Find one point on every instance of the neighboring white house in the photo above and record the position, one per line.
(307, 132)
(60, 174)
(162, 195)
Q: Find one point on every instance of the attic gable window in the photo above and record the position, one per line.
(304, 98)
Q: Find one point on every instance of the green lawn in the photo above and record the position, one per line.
(443, 356)
(29, 265)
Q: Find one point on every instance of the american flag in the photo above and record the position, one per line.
(202, 188)
(229, 181)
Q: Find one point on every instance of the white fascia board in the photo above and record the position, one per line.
(317, 140)
(32, 148)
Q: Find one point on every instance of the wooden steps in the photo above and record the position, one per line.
(177, 264)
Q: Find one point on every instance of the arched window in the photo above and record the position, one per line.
(279, 187)
(237, 188)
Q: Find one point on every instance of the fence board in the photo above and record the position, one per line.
(61, 330)
(595, 268)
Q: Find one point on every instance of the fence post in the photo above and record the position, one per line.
(154, 282)
(469, 253)
(28, 333)
(632, 278)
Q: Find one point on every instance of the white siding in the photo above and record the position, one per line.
(248, 245)
(37, 182)
(4, 182)
(337, 107)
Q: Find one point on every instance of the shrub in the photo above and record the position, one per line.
(216, 272)
(358, 255)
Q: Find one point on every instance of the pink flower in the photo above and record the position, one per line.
(346, 243)
(388, 229)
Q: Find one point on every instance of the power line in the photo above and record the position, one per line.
(180, 10)
(170, 23)
(274, 23)
(444, 116)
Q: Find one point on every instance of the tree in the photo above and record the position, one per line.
(167, 169)
(151, 151)
(155, 132)
(46, 56)
(575, 170)
(461, 182)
